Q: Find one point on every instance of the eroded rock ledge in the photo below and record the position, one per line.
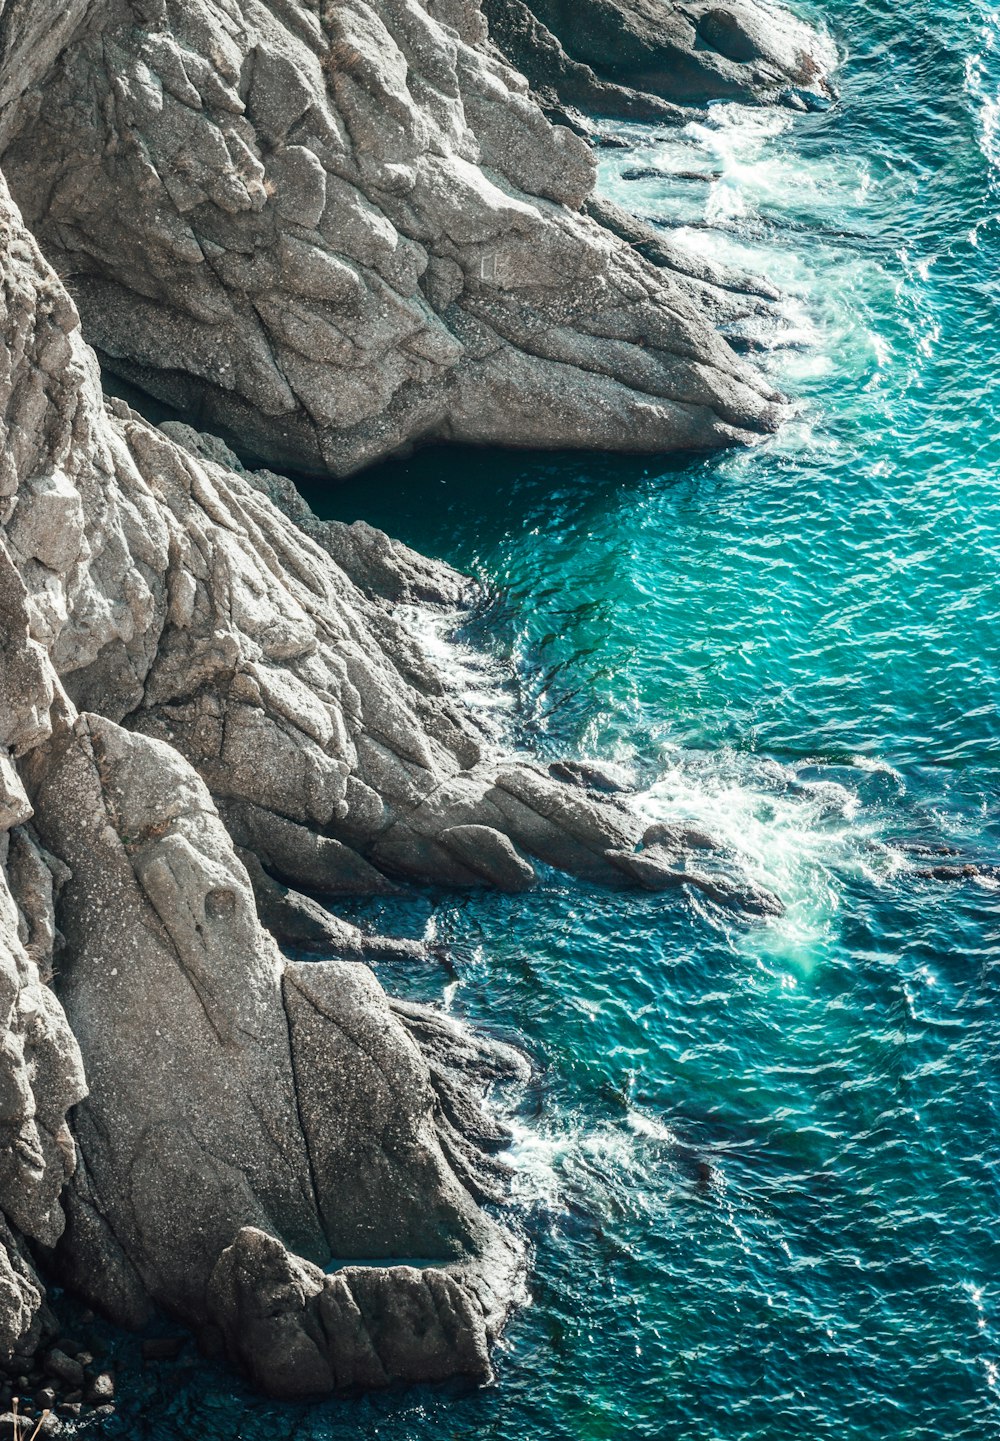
(331, 229)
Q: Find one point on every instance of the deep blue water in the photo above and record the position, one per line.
(760, 1168)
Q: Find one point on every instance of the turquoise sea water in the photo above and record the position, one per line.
(760, 1168)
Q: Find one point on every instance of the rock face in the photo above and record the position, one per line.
(185, 668)
(329, 230)
(639, 58)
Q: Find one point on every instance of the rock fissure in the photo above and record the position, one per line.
(314, 1187)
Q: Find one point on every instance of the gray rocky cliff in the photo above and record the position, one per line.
(331, 229)
(645, 59)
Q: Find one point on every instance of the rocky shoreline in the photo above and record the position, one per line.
(324, 233)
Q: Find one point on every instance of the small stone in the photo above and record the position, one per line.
(949, 873)
(70, 1409)
(45, 1399)
(85, 1358)
(101, 1389)
(64, 1368)
(72, 1396)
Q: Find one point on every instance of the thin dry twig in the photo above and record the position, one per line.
(38, 1425)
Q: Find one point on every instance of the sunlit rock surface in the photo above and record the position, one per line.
(331, 230)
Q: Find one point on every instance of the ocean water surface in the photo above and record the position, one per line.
(760, 1165)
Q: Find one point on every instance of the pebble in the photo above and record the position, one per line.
(64, 1368)
(101, 1389)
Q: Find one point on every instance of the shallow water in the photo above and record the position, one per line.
(759, 1169)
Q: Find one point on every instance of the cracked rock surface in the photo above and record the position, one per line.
(190, 684)
(331, 229)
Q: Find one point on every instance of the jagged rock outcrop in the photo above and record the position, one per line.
(186, 670)
(641, 59)
(329, 230)
(231, 1094)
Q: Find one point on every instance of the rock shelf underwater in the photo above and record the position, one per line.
(751, 1158)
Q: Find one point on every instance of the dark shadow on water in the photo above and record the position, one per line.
(453, 500)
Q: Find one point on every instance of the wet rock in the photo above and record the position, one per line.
(950, 873)
(737, 894)
(678, 838)
(592, 775)
(664, 867)
(101, 1390)
(488, 854)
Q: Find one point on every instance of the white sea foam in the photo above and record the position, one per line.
(647, 1126)
(583, 1163)
(760, 184)
(534, 1154)
(475, 676)
(800, 839)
